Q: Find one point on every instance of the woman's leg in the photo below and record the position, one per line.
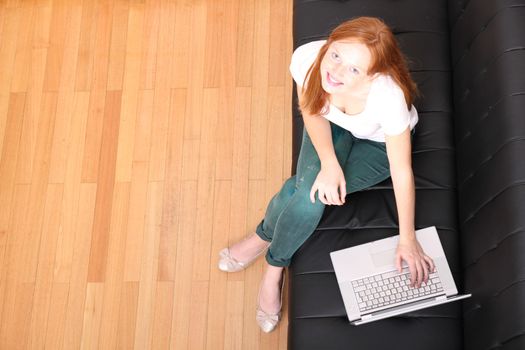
(294, 219)
(291, 218)
(367, 164)
(266, 227)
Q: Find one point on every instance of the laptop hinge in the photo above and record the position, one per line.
(366, 317)
(441, 297)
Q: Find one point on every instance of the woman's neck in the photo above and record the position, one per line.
(352, 101)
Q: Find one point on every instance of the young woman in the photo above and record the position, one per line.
(355, 94)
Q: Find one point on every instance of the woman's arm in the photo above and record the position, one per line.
(399, 151)
(320, 133)
(330, 181)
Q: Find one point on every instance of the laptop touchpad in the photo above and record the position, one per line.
(385, 257)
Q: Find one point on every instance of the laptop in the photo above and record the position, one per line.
(373, 289)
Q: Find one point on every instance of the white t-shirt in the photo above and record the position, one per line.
(385, 111)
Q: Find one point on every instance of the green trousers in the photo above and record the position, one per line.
(291, 217)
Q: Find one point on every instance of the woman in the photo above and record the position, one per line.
(355, 95)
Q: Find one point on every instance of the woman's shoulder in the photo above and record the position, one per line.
(302, 58)
(385, 84)
(309, 47)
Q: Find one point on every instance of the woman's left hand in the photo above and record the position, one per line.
(418, 262)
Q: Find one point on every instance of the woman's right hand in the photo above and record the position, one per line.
(329, 180)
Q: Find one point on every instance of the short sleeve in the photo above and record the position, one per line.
(302, 59)
(394, 114)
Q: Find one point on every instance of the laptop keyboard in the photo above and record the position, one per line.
(392, 288)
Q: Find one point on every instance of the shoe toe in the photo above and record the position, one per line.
(267, 322)
(223, 265)
(267, 326)
(227, 263)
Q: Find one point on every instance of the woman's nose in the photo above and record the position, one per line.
(338, 71)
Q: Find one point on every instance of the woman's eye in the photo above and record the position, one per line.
(334, 56)
(353, 70)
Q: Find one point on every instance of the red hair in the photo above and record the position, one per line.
(386, 58)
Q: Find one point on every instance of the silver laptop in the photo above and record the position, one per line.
(373, 289)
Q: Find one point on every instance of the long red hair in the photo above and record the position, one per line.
(386, 58)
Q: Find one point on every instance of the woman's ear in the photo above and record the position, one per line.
(375, 75)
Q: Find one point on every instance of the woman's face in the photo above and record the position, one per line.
(344, 67)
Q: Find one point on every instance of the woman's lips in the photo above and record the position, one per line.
(332, 81)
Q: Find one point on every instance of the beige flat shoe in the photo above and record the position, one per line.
(267, 322)
(227, 263)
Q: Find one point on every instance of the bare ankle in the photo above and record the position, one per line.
(274, 273)
(259, 240)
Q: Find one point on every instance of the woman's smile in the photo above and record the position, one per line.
(332, 81)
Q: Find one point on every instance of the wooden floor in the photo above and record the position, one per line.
(137, 139)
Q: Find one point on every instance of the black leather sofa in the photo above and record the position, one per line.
(468, 58)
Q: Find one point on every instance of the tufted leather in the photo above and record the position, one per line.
(468, 59)
(488, 59)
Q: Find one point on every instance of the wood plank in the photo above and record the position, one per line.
(98, 79)
(4, 107)
(78, 286)
(93, 138)
(213, 55)
(227, 91)
(252, 336)
(260, 134)
(275, 147)
(159, 134)
(86, 45)
(199, 312)
(32, 115)
(278, 57)
(117, 46)
(21, 68)
(245, 43)
(217, 287)
(183, 272)
(164, 52)
(128, 315)
(9, 159)
(56, 322)
(150, 45)
(240, 191)
(71, 47)
(61, 137)
(192, 125)
(149, 267)
(11, 22)
(105, 188)
(181, 55)
(65, 251)
(163, 315)
(205, 183)
(25, 261)
(130, 93)
(233, 332)
(115, 267)
(10, 282)
(14, 334)
(171, 213)
(33, 108)
(136, 223)
(142, 142)
(55, 52)
(46, 260)
(92, 314)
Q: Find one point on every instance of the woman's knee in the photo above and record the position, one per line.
(302, 203)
